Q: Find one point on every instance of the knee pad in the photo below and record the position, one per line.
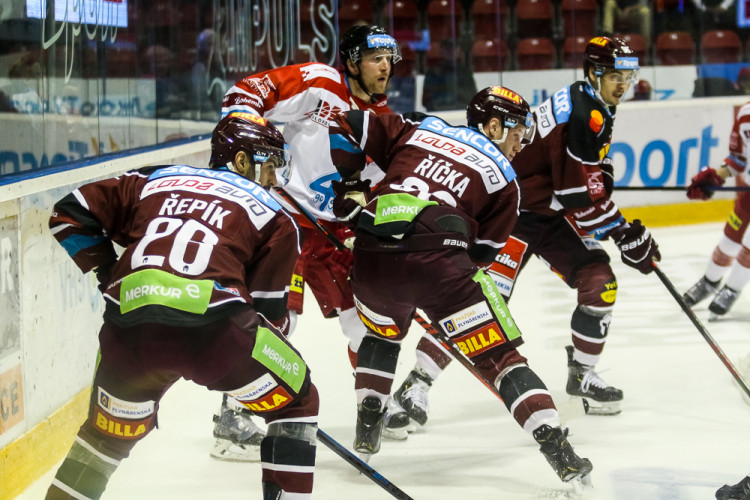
(294, 430)
(591, 322)
(597, 286)
(378, 354)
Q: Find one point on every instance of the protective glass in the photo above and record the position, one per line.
(527, 122)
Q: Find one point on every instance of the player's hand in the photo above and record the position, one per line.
(351, 196)
(104, 274)
(608, 175)
(697, 190)
(637, 248)
(340, 261)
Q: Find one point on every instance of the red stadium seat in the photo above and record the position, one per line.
(535, 53)
(352, 12)
(401, 19)
(579, 17)
(534, 18)
(675, 47)
(443, 19)
(573, 49)
(490, 55)
(721, 46)
(489, 17)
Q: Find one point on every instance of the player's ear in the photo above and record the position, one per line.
(243, 165)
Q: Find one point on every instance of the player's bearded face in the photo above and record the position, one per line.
(376, 69)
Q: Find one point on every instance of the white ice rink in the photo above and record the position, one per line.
(684, 430)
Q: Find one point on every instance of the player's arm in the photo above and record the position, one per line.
(495, 226)
(269, 275)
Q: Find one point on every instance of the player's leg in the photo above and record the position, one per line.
(121, 412)
(739, 275)
(724, 254)
(739, 491)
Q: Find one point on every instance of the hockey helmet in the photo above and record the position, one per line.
(360, 38)
(603, 53)
(502, 103)
(250, 133)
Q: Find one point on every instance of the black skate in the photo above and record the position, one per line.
(702, 289)
(584, 382)
(412, 396)
(237, 437)
(396, 423)
(723, 301)
(559, 453)
(370, 419)
(740, 491)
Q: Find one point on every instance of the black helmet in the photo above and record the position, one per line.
(504, 104)
(250, 133)
(363, 37)
(603, 53)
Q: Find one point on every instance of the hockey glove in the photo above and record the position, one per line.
(103, 275)
(340, 261)
(351, 196)
(637, 248)
(697, 190)
(608, 175)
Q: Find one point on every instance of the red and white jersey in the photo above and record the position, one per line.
(739, 141)
(304, 97)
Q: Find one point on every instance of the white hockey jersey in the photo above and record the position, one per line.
(304, 98)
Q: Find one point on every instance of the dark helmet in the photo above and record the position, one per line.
(363, 37)
(250, 133)
(504, 104)
(603, 53)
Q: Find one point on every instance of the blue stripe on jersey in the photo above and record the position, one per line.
(236, 180)
(77, 242)
(473, 139)
(601, 232)
(562, 105)
(338, 141)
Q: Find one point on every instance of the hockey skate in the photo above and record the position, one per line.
(702, 289)
(370, 419)
(584, 382)
(412, 396)
(723, 302)
(740, 491)
(237, 437)
(560, 455)
(397, 424)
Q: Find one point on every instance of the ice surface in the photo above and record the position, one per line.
(684, 430)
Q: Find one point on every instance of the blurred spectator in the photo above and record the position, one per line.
(448, 83)
(627, 16)
(208, 77)
(642, 91)
(674, 16)
(159, 63)
(21, 93)
(716, 14)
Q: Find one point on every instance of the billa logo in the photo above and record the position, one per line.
(508, 94)
(123, 429)
(249, 117)
(276, 399)
(600, 41)
(384, 330)
(478, 341)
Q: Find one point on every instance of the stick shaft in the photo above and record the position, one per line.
(361, 466)
(702, 329)
(680, 188)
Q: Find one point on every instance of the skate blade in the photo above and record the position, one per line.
(399, 434)
(571, 408)
(365, 457)
(598, 408)
(229, 452)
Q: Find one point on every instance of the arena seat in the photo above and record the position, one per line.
(675, 47)
(443, 19)
(490, 55)
(534, 18)
(721, 46)
(579, 17)
(574, 48)
(535, 53)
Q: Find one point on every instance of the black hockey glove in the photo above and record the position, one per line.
(637, 248)
(104, 274)
(351, 196)
(608, 175)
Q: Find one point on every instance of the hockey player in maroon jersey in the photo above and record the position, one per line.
(566, 183)
(731, 256)
(198, 292)
(305, 97)
(447, 204)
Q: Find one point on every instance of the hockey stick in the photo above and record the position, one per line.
(680, 188)
(361, 466)
(702, 329)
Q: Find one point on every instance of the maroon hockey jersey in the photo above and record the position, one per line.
(197, 243)
(560, 171)
(429, 163)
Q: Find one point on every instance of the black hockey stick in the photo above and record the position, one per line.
(361, 466)
(702, 329)
(680, 188)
